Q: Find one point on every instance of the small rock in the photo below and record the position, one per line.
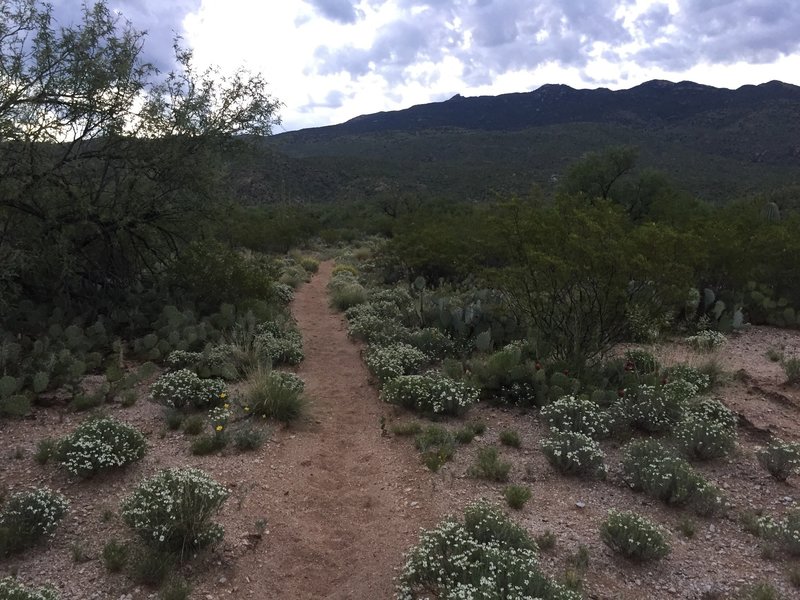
(580, 504)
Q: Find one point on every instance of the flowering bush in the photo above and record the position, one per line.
(10, 589)
(280, 347)
(658, 408)
(438, 395)
(375, 329)
(28, 517)
(485, 558)
(437, 446)
(577, 415)
(218, 417)
(98, 444)
(690, 374)
(181, 359)
(785, 532)
(389, 362)
(706, 341)
(183, 389)
(172, 510)
(274, 395)
(641, 361)
(283, 292)
(707, 430)
(650, 467)
(633, 536)
(432, 342)
(780, 458)
(574, 453)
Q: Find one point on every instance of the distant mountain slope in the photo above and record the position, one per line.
(716, 143)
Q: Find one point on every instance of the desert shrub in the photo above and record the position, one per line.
(432, 342)
(278, 344)
(44, 450)
(394, 360)
(428, 394)
(29, 516)
(509, 437)
(650, 467)
(690, 374)
(464, 435)
(100, 444)
(634, 536)
(707, 430)
(516, 496)
(641, 361)
(577, 415)
(293, 276)
(182, 359)
(209, 443)
(194, 425)
(115, 556)
(791, 366)
(183, 389)
(485, 557)
(437, 446)
(341, 268)
(785, 532)
(176, 588)
(10, 589)
(574, 453)
(375, 329)
(249, 438)
(489, 466)
(780, 458)
(406, 428)
(706, 341)
(347, 296)
(658, 408)
(309, 264)
(283, 292)
(505, 376)
(172, 510)
(546, 541)
(150, 566)
(274, 395)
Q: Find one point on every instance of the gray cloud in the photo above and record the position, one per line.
(333, 99)
(343, 11)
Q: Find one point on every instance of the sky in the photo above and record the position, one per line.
(328, 61)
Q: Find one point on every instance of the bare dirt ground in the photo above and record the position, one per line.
(341, 502)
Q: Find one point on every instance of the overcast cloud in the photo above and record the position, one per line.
(330, 60)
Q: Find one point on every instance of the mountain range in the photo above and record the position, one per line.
(717, 144)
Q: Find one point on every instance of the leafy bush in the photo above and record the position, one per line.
(784, 532)
(377, 329)
(574, 453)
(577, 415)
(274, 395)
(392, 361)
(485, 557)
(176, 588)
(641, 361)
(489, 466)
(791, 366)
(150, 566)
(99, 444)
(516, 496)
(10, 589)
(406, 428)
(650, 467)
(249, 438)
(182, 359)
(115, 556)
(437, 445)
(658, 408)
(780, 458)
(194, 425)
(706, 341)
(210, 443)
(432, 342)
(634, 536)
(172, 510)
(347, 296)
(44, 450)
(707, 430)
(29, 516)
(509, 437)
(424, 393)
(279, 345)
(183, 389)
(690, 374)
(309, 264)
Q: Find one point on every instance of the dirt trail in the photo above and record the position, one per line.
(337, 496)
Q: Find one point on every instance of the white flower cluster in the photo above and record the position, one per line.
(394, 360)
(173, 509)
(219, 416)
(11, 589)
(690, 374)
(706, 341)
(574, 453)
(424, 393)
(707, 430)
(476, 561)
(289, 381)
(634, 536)
(784, 532)
(98, 444)
(181, 359)
(283, 292)
(658, 408)
(285, 347)
(780, 458)
(33, 514)
(577, 415)
(184, 389)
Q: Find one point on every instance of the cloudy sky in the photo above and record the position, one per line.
(331, 60)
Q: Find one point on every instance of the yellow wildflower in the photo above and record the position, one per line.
(246, 409)
(226, 405)
(219, 428)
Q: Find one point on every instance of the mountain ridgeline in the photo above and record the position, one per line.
(716, 144)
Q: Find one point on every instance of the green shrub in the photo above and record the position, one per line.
(574, 454)
(210, 443)
(517, 495)
(394, 360)
(194, 425)
(690, 374)
(82, 402)
(658, 408)
(150, 566)
(173, 419)
(485, 557)
(427, 394)
(707, 430)
(791, 366)
(279, 345)
(16, 405)
(785, 532)
(45, 449)
(546, 541)
(759, 591)
(706, 341)
(344, 268)
(437, 446)
(347, 296)
(183, 389)
(376, 329)
(274, 395)
(479, 427)
(115, 556)
(633, 536)
(489, 466)
(577, 415)
(432, 342)
(687, 527)
(651, 468)
(100, 444)
(641, 361)
(464, 435)
(10, 589)
(780, 458)
(176, 588)
(406, 428)
(181, 359)
(249, 438)
(293, 276)
(309, 264)
(509, 437)
(29, 516)
(172, 510)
